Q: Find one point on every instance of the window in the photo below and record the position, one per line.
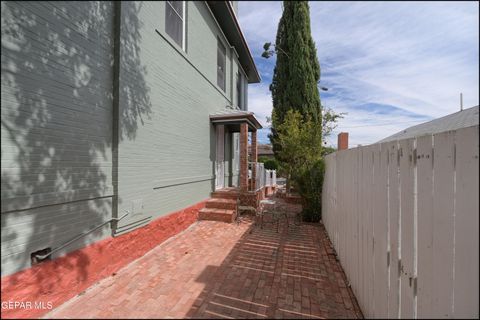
(221, 64)
(239, 91)
(175, 21)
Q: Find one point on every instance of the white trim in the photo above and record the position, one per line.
(245, 40)
(224, 67)
(239, 89)
(183, 19)
(184, 24)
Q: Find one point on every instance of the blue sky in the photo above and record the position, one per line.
(388, 65)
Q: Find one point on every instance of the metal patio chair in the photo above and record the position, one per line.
(241, 209)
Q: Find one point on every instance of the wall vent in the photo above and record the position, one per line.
(35, 260)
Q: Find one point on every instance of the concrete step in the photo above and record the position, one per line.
(224, 195)
(217, 215)
(218, 203)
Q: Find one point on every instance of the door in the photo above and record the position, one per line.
(220, 161)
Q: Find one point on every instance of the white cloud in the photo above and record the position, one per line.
(416, 56)
(260, 102)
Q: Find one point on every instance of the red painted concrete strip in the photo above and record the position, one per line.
(54, 282)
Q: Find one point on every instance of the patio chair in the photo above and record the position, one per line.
(241, 209)
(294, 218)
(276, 213)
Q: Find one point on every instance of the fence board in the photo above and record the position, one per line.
(362, 223)
(407, 224)
(355, 211)
(443, 191)
(336, 217)
(353, 217)
(425, 226)
(393, 211)
(339, 225)
(380, 232)
(370, 258)
(466, 225)
(346, 212)
(341, 203)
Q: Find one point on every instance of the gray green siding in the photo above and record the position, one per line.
(59, 114)
(168, 165)
(56, 126)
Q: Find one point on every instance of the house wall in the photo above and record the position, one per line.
(403, 218)
(168, 163)
(56, 132)
(61, 164)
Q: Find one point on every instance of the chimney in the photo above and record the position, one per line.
(342, 141)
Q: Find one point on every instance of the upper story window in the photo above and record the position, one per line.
(221, 64)
(239, 91)
(175, 21)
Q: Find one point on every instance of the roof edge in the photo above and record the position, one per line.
(244, 116)
(242, 36)
(407, 132)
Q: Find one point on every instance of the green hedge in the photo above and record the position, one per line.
(270, 164)
(309, 185)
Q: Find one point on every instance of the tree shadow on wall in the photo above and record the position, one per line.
(57, 102)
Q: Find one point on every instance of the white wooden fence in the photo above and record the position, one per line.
(270, 177)
(263, 177)
(403, 218)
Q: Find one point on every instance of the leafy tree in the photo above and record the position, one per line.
(310, 183)
(300, 144)
(269, 163)
(297, 71)
(303, 164)
(329, 120)
(298, 123)
(262, 159)
(329, 123)
(327, 150)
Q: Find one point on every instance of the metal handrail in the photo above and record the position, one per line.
(41, 257)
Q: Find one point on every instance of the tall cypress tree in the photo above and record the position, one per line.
(297, 70)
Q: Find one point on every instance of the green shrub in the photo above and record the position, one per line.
(309, 184)
(327, 150)
(271, 164)
(262, 159)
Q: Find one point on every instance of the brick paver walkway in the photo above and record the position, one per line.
(219, 270)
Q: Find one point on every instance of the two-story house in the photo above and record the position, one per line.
(119, 119)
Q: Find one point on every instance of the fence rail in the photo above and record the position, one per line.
(403, 217)
(263, 177)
